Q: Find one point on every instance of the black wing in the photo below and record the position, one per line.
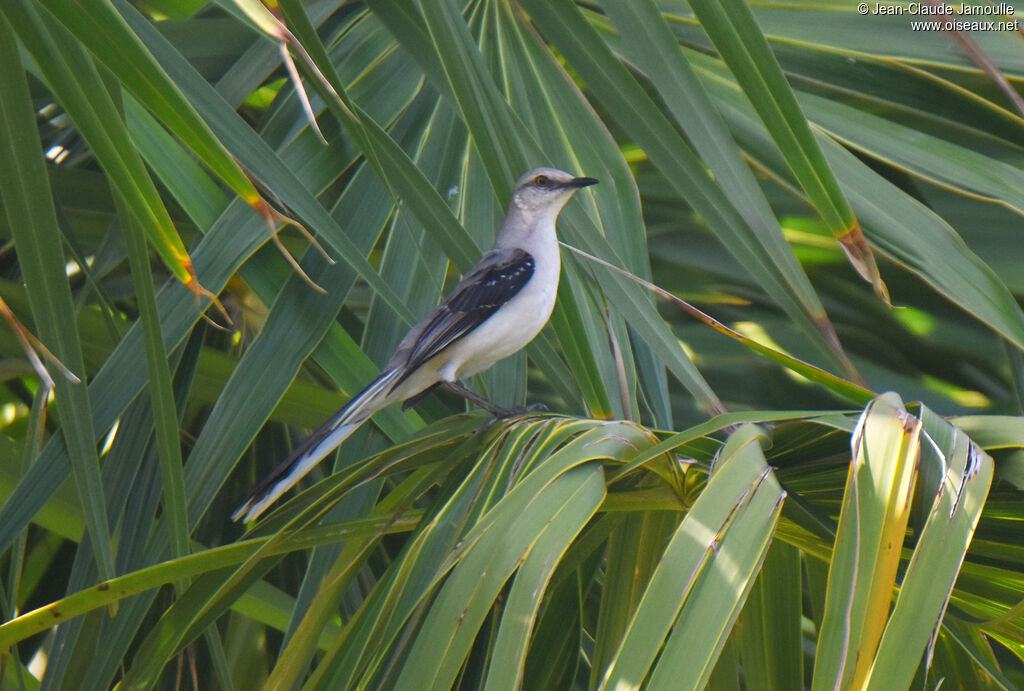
(480, 293)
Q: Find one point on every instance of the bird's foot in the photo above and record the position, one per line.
(499, 412)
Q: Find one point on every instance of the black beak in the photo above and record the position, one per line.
(582, 182)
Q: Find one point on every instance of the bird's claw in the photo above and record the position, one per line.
(499, 413)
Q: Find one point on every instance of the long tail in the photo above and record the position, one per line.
(320, 443)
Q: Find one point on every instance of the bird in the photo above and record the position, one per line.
(496, 309)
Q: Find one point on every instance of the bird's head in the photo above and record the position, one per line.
(544, 191)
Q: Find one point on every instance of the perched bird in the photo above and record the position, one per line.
(495, 310)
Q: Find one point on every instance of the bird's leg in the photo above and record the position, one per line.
(496, 410)
(474, 397)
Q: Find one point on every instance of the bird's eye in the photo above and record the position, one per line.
(542, 181)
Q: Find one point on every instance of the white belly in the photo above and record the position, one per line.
(509, 329)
